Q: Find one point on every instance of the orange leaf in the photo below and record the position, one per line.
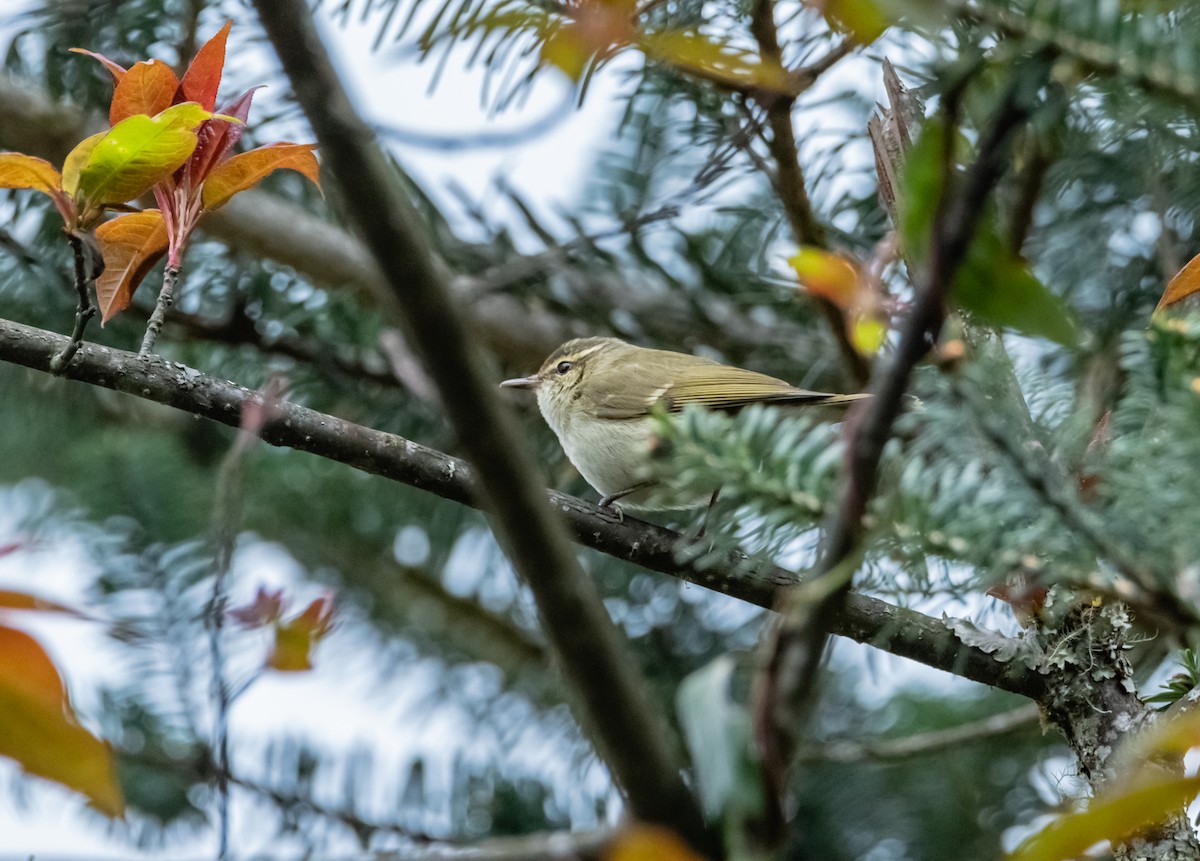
(116, 69)
(245, 169)
(203, 76)
(147, 88)
(25, 171)
(828, 275)
(10, 600)
(130, 245)
(1182, 285)
(638, 842)
(39, 730)
(296, 638)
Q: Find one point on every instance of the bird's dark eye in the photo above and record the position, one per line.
(562, 367)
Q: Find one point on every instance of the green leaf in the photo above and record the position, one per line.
(137, 153)
(997, 287)
(992, 284)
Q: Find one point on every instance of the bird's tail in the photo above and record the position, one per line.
(837, 400)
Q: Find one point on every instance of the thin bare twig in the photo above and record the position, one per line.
(88, 266)
(166, 297)
(922, 744)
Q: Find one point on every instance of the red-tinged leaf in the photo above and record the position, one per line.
(11, 547)
(130, 246)
(39, 730)
(203, 76)
(595, 31)
(216, 137)
(116, 69)
(296, 638)
(267, 607)
(248, 168)
(147, 88)
(12, 600)
(137, 153)
(25, 171)
(1182, 285)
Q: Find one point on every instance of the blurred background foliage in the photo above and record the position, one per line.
(676, 240)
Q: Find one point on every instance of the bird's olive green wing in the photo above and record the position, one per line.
(705, 384)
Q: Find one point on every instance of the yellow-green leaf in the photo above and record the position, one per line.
(713, 60)
(39, 730)
(862, 20)
(139, 152)
(1114, 817)
(130, 245)
(25, 171)
(867, 334)
(249, 168)
(75, 161)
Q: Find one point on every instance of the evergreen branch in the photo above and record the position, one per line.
(1094, 55)
(632, 736)
(1135, 586)
(896, 630)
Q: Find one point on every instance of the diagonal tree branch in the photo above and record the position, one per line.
(902, 632)
(795, 649)
(632, 736)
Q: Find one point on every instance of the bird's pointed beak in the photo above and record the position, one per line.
(522, 383)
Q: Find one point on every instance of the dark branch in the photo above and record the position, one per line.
(901, 632)
(795, 651)
(631, 735)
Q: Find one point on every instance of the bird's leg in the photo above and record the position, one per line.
(708, 512)
(607, 501)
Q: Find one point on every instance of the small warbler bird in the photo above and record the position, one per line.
(597, 394)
